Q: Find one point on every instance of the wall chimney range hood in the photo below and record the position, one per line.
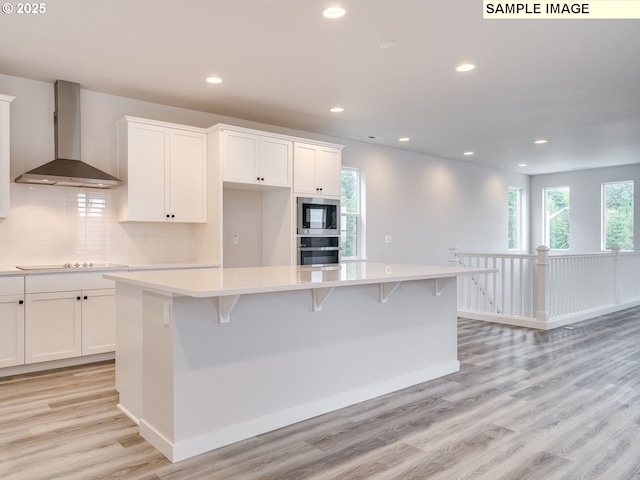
(67, 169)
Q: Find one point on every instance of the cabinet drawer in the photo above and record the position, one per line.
(60, 282)
(12, 285)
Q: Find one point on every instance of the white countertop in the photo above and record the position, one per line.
(12, 270)
(217, 282)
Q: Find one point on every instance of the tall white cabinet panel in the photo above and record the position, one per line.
(98, 321)
(187, 186)
(53, 326)
(254, 159)
(276, 162)
(5, 102)
(164, 167)
(146, 172)
(317, 170)
(240, 157)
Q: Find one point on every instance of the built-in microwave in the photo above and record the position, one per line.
(318, 216)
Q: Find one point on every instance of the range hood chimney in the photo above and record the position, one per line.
(67, 169)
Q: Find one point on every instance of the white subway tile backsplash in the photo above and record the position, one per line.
(49, 224)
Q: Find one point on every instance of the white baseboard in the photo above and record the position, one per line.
(552, 323)
(67, 362)
(131, 416)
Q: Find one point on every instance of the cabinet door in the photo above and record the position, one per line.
(304, 169)
(98, 321)
(11, 330)
(147, 161)
(275, 161)
(52, 326)
(240, 157)
(328, 174)
(187, 190)
(4, 158)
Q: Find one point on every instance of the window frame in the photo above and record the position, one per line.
(603, 219)
(359, 215)
(546, 230)
(519, 213)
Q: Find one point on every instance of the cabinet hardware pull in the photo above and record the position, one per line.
(173, 216)
(167, 215)
(20, 302)
(77, 298)
(85, 297)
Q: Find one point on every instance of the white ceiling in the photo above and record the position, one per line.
(575, 83)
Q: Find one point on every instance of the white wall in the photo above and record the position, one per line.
(425, 203)
(586, 207)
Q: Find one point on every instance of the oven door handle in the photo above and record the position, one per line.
(319, 249)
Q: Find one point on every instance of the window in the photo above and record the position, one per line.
(515, 218)
(617, 215)
(556, 217)
(352, 209)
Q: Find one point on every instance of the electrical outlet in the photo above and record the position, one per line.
(145, 239)
(236, 240)
(387, 239)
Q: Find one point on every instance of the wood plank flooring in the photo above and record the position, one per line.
(563, 404)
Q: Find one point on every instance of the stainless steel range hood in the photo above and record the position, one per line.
(67, 169)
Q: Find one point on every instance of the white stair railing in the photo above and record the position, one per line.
(546, 291)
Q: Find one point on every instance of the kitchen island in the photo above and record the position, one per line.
(209, 357)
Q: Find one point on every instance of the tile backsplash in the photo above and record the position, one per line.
(49, 225)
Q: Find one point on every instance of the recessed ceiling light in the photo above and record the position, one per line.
(468, 153)
(387, 43)
(214, 80)
(522, 164)
(336, 109)
(465, 67)
(334, 12)
(404, 139)
(539, 142)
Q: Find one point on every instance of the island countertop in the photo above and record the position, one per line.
(194, 384)
(217, 282)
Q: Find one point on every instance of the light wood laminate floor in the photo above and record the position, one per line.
(563, 404)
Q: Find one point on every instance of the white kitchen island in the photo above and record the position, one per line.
(205, 358)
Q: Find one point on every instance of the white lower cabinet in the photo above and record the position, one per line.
(64, 322)
(53, 326)
(98, 321)
(11, 330)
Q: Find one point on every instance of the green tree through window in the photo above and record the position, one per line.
(351, 212)
(617, 215)
(515, 218)
(556, 201)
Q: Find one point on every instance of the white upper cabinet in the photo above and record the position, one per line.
(254, 159)
(164, 167)
(5, 103)
(317, 170)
